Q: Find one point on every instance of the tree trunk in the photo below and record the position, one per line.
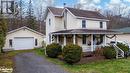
(1, 50)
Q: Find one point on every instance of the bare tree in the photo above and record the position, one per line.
(117, 16)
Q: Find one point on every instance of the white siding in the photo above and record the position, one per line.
(122, 37)
(57, 24)
(74, 23)
(90, 24)
(23, 33)
(50, 28)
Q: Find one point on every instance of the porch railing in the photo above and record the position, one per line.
(119, 52)
(86, 48)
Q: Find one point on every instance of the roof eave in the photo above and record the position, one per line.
(88, 33)
(24, 27)
(92, 18)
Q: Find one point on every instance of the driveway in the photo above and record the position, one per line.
(31, 63)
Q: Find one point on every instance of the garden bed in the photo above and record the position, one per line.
(91, 59)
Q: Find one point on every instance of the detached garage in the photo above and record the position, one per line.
(23, 38)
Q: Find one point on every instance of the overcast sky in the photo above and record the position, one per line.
(86, 4)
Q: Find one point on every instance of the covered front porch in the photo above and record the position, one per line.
(89, 40)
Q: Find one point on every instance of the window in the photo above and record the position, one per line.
(35, 42)
(7, 7)
(101, 24)
(84, 39)
(83, 23)
(49, 21)
(10, 43)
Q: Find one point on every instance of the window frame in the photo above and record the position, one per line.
(101, 24)
(10, 42)
(36, 42)
(83, 23)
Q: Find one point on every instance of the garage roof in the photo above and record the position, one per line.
(24, 27)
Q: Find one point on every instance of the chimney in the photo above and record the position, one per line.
(64, 5)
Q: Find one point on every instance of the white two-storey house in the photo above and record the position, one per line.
(66, 25)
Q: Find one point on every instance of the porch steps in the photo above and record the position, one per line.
(119, 52)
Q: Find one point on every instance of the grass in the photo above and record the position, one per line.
(106, 66)
(6, 59)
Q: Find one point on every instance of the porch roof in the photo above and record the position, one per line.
(86, 31)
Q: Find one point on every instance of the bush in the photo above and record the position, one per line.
(53, 50)
(98, 51)
(122, 46)
(109, 52)
(72, 53)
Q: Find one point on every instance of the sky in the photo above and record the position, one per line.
(84, 4)
(97, 4)
(92, 3)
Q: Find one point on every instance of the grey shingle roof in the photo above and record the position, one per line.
(78, 12)
(56, 11)
(86, 13)
(86, 31)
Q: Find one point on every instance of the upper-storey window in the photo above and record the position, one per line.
(7, 7)
(49, 21)
(101, 24)
(83, 23)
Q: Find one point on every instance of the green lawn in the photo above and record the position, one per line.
(106, 66)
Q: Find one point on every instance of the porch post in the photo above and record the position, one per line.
(51, 39)
(105, 40)
(74, 39)
(92, 46)
(115, 39)
(57, 40)
(64, 40)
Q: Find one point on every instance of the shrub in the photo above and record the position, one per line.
(72, 53)
(122, 46)
(109, 52)
(98, 51)
(53, 50)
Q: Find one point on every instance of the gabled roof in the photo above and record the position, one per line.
(24, 27)
(86, 13)
(76, 12)
(56, 11)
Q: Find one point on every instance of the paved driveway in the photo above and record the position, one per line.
(31, 63)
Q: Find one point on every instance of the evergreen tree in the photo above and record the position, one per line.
(3, 31)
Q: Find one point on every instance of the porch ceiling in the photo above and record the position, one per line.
(87, 31)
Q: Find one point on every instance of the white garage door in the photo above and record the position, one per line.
(21, 43)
